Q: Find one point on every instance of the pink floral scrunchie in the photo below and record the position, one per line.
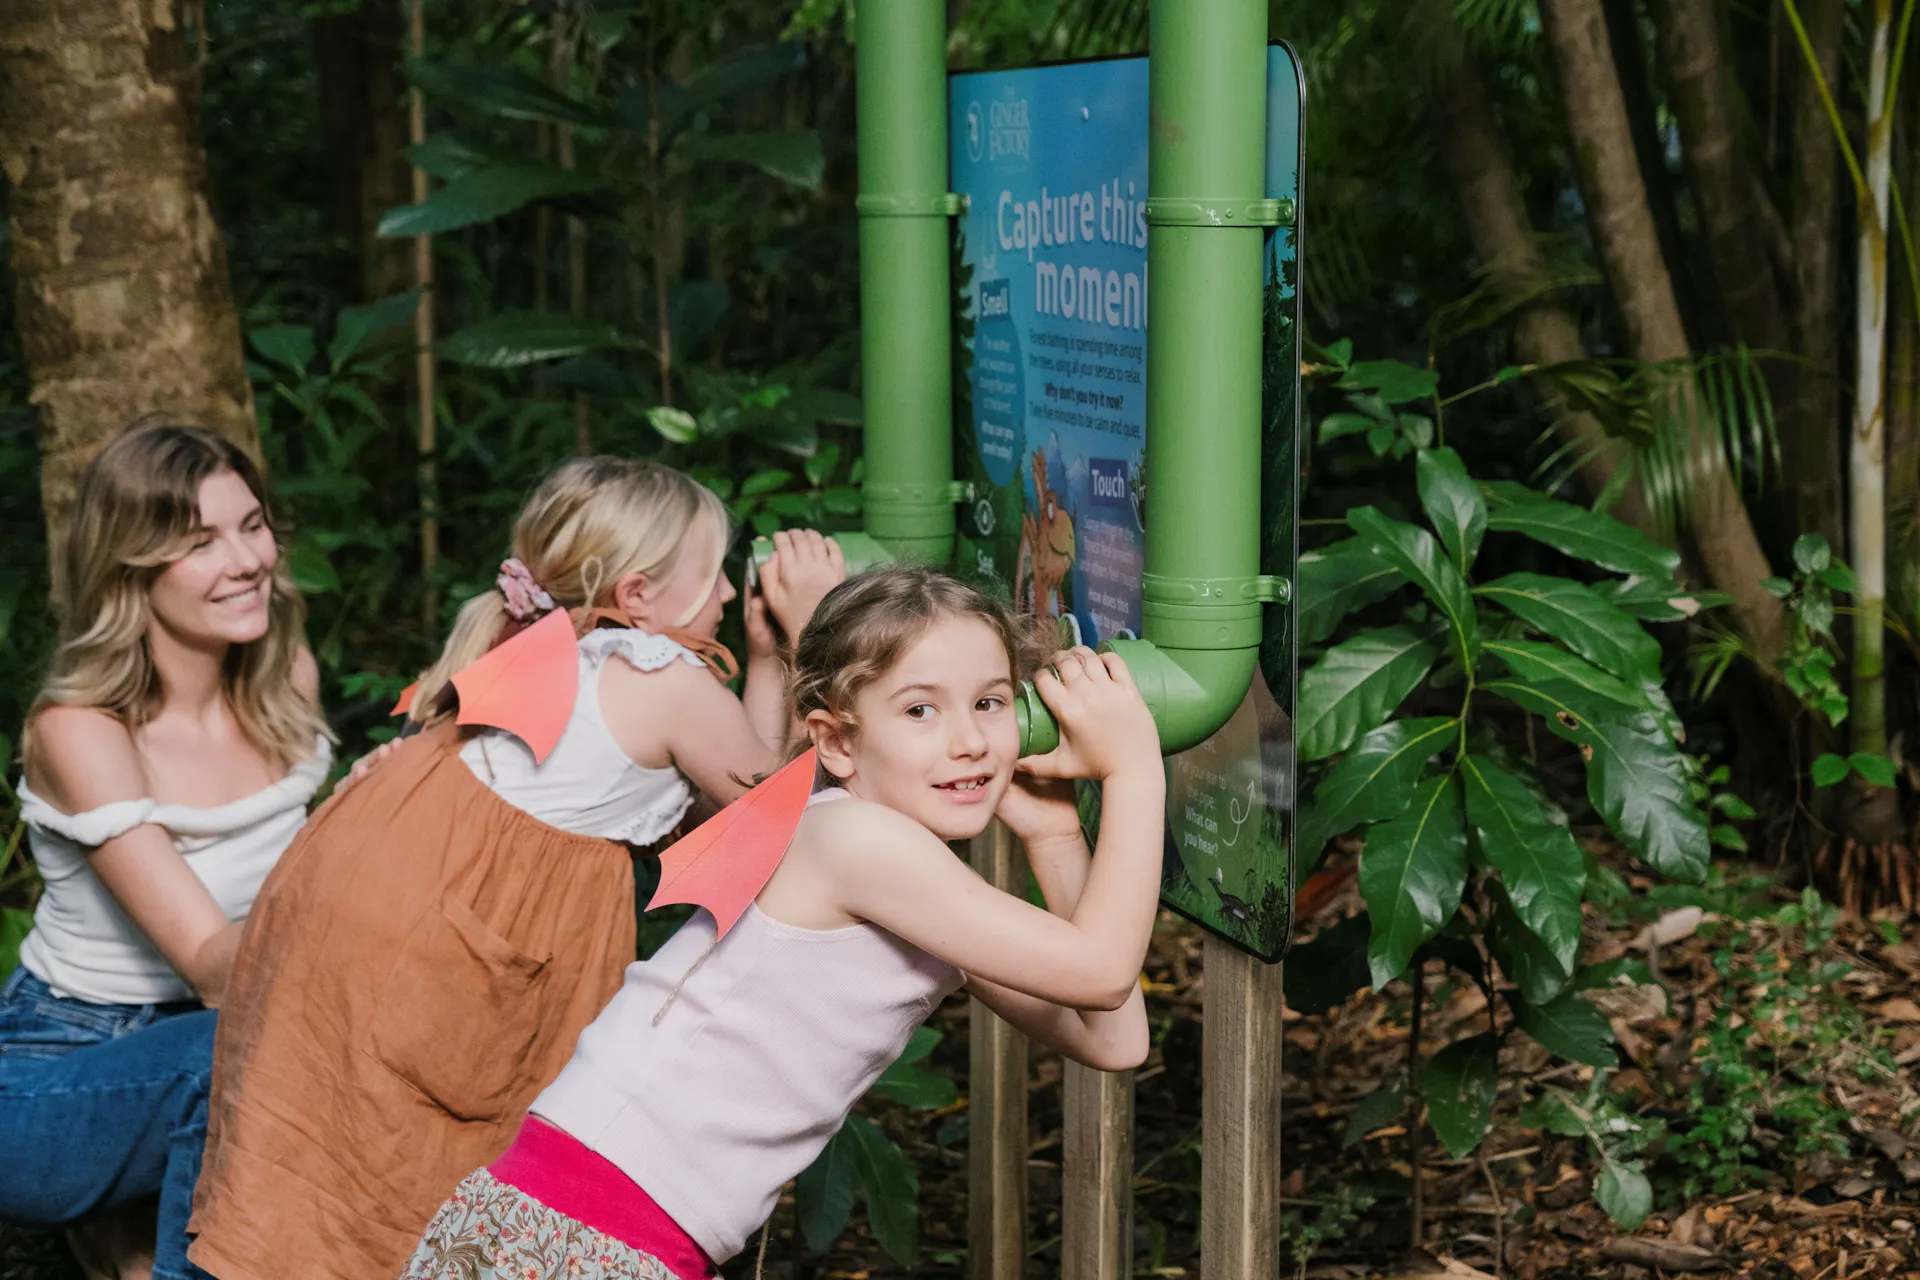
(525, 599)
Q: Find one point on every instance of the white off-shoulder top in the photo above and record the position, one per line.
(84, 946)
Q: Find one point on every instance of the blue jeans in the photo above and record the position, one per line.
(102, 1105)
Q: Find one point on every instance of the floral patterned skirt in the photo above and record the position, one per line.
(489, 1230)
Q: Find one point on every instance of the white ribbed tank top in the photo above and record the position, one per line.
(773, 1035)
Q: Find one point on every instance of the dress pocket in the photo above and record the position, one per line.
(465, 1017)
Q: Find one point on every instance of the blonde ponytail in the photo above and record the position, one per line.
(589, 524)
(475, 629)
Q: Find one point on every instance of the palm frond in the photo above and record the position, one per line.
(1709, 414)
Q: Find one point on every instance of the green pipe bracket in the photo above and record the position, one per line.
(915, 520)
(1166, 211)
(948, 205)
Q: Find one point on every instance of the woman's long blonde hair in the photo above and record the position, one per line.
(589, 524)
(136, 511)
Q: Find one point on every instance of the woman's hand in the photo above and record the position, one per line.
(805, 566)
(1040, 810)
(1105, 727)
(365, 765)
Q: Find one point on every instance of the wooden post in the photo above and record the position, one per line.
(1097, 1175)
(1240, 1117)
(997, 1105)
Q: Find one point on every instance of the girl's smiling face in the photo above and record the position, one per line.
(936, 736)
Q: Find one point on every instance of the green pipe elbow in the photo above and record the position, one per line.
(1191, 692)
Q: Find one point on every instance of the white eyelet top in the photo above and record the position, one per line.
(588, 785)
(84, 946)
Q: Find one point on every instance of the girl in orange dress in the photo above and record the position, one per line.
(420, 963)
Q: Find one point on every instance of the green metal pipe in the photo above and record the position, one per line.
(1200, 603)
(905, 278)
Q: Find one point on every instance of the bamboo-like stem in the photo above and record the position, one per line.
(424, 368)
(1867, 481)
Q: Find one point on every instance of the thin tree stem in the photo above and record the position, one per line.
(424, 367)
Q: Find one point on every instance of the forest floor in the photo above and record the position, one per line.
(1826, 1186)
(1522, 1206)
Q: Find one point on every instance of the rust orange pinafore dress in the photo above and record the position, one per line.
(415, 970)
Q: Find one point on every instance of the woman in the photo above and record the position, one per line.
(170, 758)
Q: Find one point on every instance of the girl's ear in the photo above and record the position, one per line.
(832, 742)
(630, 596)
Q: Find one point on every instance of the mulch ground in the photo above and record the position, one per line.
(1521, 1207)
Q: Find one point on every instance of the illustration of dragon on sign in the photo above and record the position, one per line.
(1046, 546)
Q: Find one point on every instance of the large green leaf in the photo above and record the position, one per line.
(1656, 599)
(1585, 622)
(288, 345)
(792, 155)
(1413, 551)
(1624, 1192)
(1358, 683)
(823, 1193)
(746, 69)
(483, 194)
(1582, 534)
(1323, 974)
(1375, 1111)
(1569, 1026)
(1411, 875)
(1460, 1084)
(1334, 581)
(357, 324)
(1535, 662)
(911, 1084)
(1637, 779)
(501, 91)
(1453, 504)
(891, 1187)
(1567, 707)
(1540, 866)
(515, 338)
(1372, 781)
(1527, 961)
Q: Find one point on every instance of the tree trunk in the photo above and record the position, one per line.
(1811, 449)
(1544, 331)
(363, 129)
(1629, 249)
(1698, 312)
(1699, 94)
(123, 301)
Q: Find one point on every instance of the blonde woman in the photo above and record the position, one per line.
(169, 761)
(419, 966)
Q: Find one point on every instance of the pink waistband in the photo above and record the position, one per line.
(562, 1173)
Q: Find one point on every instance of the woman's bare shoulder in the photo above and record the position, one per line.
(83, 757)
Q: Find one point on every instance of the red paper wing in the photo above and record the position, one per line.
(729, 858)
(405, 704)
(526, 686)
